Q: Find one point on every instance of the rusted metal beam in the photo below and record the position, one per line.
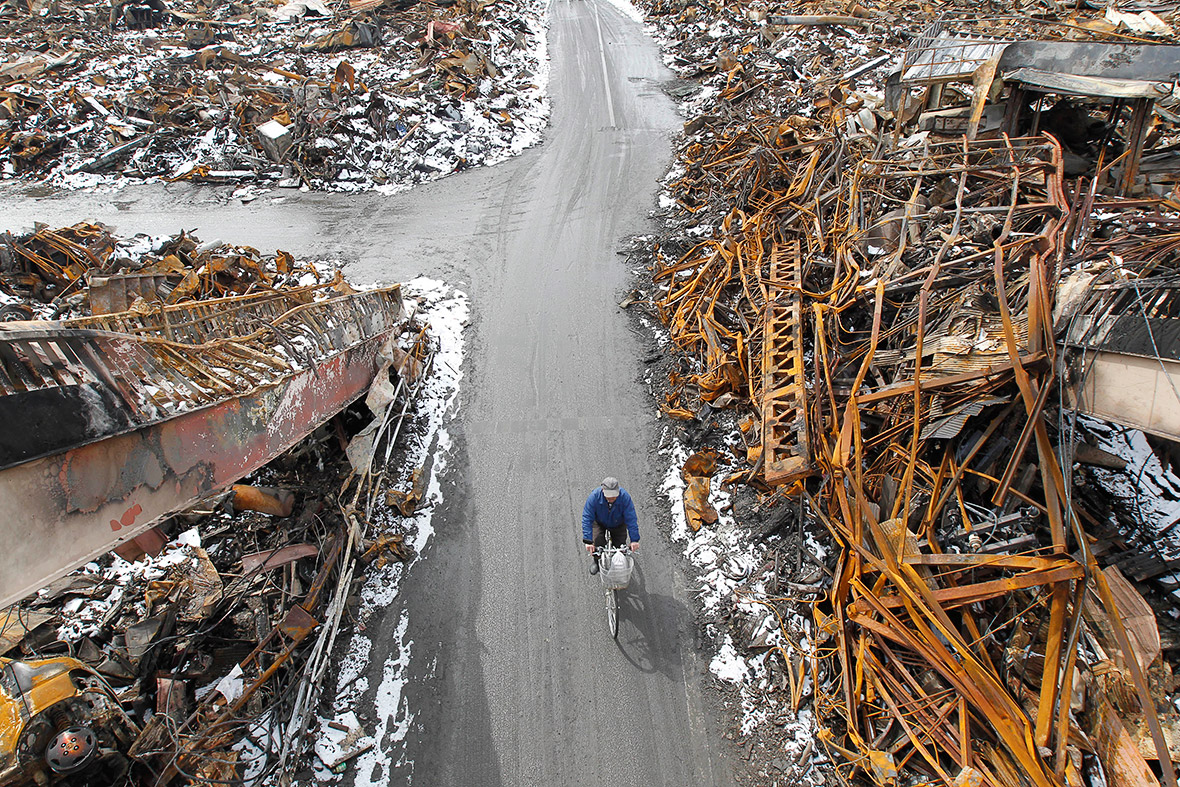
(786, 445)
(1034, 362)
(76, 504)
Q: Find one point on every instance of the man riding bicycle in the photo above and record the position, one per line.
(608, 510)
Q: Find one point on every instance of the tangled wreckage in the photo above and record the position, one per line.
(907, 269)
(329, 95)
(921, 281)
(179, 369)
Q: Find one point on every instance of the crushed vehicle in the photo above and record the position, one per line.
(60, 724)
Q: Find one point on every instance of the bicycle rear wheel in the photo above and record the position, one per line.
(612, 613)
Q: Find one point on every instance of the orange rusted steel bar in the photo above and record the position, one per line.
(1053, 667)
(1026, 434)
(983, 687)
(1050, 472)
(1008, 719)
(962, 595)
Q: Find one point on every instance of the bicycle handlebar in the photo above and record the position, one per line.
(611, 548)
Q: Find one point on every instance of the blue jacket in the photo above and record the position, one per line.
(621, 512)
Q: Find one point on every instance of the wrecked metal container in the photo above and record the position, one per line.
(109, 294)
(116, 421)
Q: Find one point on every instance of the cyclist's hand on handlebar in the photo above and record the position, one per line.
(589, 547)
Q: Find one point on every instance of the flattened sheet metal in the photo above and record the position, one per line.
(116, 293)
(1149, 62)
(1078, 85)
(1132, 334)
(938, 56)
(945, 426)
(946, 57)
(1132, 390)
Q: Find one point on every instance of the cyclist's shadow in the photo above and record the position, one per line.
(650, 627)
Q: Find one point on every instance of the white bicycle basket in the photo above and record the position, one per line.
(616, 571)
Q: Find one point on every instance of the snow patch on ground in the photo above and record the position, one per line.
(725, 562)
(719, 552)
(446, 311)
(254, 749)
(728, 665)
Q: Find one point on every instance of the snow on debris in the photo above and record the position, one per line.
(446, 311)
(725, 560)
(83, 617)
(313, 96)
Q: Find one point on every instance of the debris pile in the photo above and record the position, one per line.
(198, 650)
(85, 270)
(328, 95)
(883, 320)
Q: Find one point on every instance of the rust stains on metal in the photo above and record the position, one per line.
(200, 415)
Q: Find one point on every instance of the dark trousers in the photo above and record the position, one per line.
(618, 535)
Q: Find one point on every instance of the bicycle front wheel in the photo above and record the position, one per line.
(612, 613)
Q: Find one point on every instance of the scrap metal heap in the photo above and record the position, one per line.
(333, 95)
(184, 367)
(889, 312)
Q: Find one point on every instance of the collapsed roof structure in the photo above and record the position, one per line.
(182, 400)
(902, 295)
(176, 369)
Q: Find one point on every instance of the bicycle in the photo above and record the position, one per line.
(615, 576)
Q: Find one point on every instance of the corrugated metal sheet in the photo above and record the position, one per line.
(950, 424)
(1077, 85)
(947, 56)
